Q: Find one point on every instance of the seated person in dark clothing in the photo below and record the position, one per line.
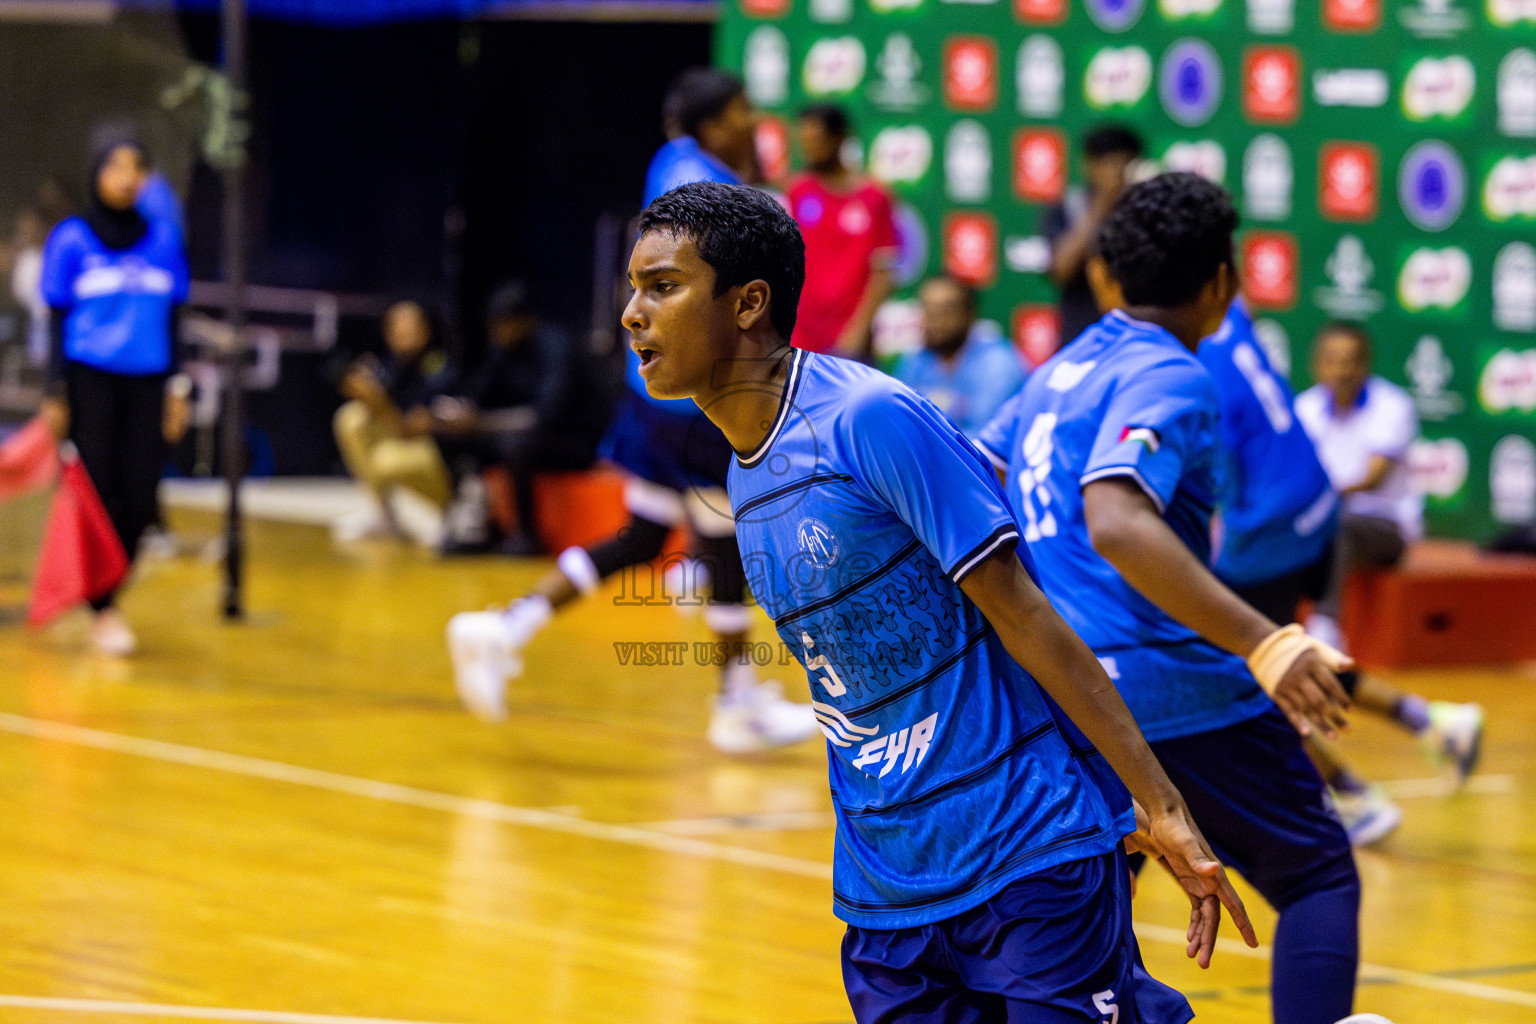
(523, 408)
(384, 430)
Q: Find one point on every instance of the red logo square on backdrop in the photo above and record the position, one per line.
(970, 248)
(1039, 164)
(1272, 84)
(1348, 181)
(1269, 269)
(970, 73)
(1036, 332)
(1352, 15)
(1040, 12)
(771, 138)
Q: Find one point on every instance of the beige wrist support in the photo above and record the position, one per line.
(1277, 652)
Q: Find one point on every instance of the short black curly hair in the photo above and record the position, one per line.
(1166, 237)
(743, 234)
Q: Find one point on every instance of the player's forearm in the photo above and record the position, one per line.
(1151, 558)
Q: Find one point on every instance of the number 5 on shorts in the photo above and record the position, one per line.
(1104, 1003)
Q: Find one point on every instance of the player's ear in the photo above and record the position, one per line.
(752, 304)
(1106, 290)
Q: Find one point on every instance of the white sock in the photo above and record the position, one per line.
(531, 613)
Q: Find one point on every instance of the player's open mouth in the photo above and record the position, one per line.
(647, 356)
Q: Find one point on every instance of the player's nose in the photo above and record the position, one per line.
(631, 317)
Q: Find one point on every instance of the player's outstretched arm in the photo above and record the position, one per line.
(1297, 672)
(1039, 640)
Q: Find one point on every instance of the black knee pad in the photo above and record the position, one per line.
(728, 582)
(638, 542)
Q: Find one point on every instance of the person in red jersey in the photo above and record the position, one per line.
(850, 240)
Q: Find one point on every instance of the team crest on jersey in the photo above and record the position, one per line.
(1144, 436)
(817, 542)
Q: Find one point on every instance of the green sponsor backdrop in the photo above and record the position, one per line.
(1383, 154)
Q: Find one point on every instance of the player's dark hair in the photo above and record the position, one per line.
(967, 292)
(743, 234)
(1353, 331)
(697, 95)
(1166, 238)
(1112, 138)
(832, 118)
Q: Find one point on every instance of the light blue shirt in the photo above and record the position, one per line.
(968, 389)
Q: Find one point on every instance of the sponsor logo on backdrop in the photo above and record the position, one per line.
(831, 11)
(1434, 19)
(968, 163)
(1267, 178)
(970, 248)
(1352, 15)
(1434, 279)
(1269, 269)
(1432, 186)
(1438, 468)
(1349, 295)
(911, 245)
(1510, 190)
(1040, 12)
(1115, 15)
(1040, 76)
(1509, 13)
(1438, 87)
(1027, 255)
(765, 66)
(1039, 164)
(1036, 332)
(901, 155)
(1272, 84)
(834, 66)
(765, 8)
(1512, 479)
(1430, 371)
(1189, 82)
(1205, 158)
(1347, 181)
(897, 88)
(1351, 87)
(1517, 93)
(771, 140)
(1117, 77)
(1173, 10)
(1514, 287)
(1271, 17)
(970, 73)
(894, 6)
(1509, 382)
(1275, 343)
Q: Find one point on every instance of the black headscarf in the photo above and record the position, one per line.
(117, 229)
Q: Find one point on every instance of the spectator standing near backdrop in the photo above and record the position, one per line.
(850, 240)
(964, 367)
(1070, 225)
(114, 280)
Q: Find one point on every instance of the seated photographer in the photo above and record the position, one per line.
(384, 429)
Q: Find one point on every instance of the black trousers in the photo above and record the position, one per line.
(115, 422)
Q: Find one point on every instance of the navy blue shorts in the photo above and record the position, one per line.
(679, 452)
(1262, 806)
(1053, 948)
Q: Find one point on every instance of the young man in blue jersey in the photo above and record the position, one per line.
(676, 462)
(978, 860)
(1112, 453)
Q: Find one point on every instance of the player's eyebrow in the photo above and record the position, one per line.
(657, 270)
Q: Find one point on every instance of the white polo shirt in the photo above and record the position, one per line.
(1382, 422)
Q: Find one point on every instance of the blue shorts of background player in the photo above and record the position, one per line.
(1053, 948)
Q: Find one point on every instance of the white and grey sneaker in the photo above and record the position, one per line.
(1455, 734)
(1364, 1018)
(486, 648)
(757, 718)
(1369, 816)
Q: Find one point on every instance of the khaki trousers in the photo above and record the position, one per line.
(383, 460)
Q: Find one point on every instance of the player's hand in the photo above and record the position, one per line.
(1172, 838)
(55, 416)
(1311, 696)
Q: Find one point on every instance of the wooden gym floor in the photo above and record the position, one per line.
(291, 821)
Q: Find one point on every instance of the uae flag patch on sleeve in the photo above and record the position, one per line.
(1144, 436)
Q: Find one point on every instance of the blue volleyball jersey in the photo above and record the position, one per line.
(678, 162)
(1125, 399)
(118, 301)
(952, 772)
(1278, 510)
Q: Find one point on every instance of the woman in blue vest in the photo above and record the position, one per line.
(114, 281)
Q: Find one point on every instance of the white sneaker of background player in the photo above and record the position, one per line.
(486, 648)
(756, 717)
(1364, 1018)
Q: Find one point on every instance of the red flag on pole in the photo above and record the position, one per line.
(29, 460)
(82, 557)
